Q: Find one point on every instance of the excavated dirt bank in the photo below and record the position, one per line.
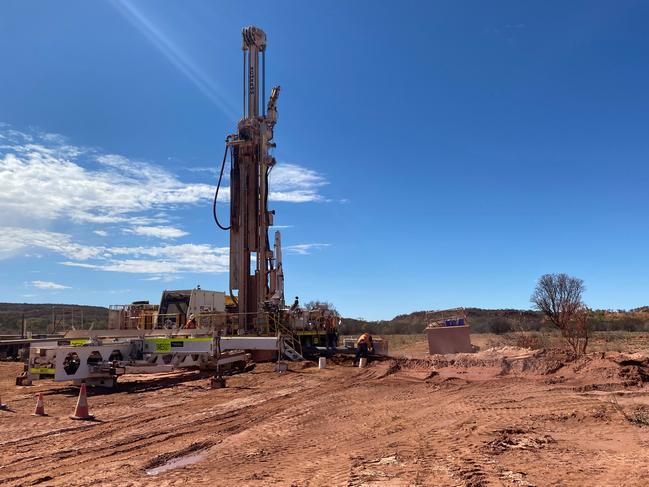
(500, 417)
(595, 370)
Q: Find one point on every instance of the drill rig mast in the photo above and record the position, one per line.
(101, 356)
(251, 163)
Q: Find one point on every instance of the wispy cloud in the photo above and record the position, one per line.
(48, 285)
(13, 240)
(163, 278)
(293, 183)
(47, 181)
(210, 170)
(305, 249)
(165, 259)
(509, 31)
(158, 232)
(159, 260)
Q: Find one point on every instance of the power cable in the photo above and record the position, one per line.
(216, 193)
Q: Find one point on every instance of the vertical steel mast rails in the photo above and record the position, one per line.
(251, 163)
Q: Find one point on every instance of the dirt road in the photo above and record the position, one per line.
(469, 423)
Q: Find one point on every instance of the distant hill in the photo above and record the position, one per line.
(39, 317)
(497, 321)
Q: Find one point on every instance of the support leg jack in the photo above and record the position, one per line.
(217, 382)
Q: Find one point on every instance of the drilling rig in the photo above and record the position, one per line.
(150, 338)
(259, 306)
(262, 289)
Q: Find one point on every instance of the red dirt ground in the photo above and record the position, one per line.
(500, 417)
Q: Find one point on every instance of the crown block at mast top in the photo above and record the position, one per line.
(253, 44)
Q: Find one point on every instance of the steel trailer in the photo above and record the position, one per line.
(101, 360)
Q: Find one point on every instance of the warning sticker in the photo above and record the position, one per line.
(164, 345)
(41, 370)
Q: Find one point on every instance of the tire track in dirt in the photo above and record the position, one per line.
(288, 434)
(340, 426)
(94, 450)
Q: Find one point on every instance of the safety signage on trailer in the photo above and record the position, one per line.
(167, 345)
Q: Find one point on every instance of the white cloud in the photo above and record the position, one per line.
(296, 184)
(158, 260)
(150, 260)
(159, 232)
(213, 170)
(46, 179)
(48, 285)
(305, 249)
(165, 259)
(14, 239)
(165, 278)
(43, 184)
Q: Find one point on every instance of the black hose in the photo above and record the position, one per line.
(266, 209)
(216, 193)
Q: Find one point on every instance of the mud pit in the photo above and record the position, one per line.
(500, 417)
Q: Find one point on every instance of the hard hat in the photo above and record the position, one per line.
(191, 316)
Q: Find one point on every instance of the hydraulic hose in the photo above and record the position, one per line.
(216, 193)
(266, 209)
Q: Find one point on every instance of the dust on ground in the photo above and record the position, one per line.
(503, 416)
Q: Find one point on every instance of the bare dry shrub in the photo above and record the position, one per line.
(558, 296)
(639, 415)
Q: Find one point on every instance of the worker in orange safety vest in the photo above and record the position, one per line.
(191, 322)
(364, 346)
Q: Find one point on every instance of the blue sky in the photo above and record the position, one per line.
(432, 155)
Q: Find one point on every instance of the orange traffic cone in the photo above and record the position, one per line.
(81, 411)
(40, 406)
